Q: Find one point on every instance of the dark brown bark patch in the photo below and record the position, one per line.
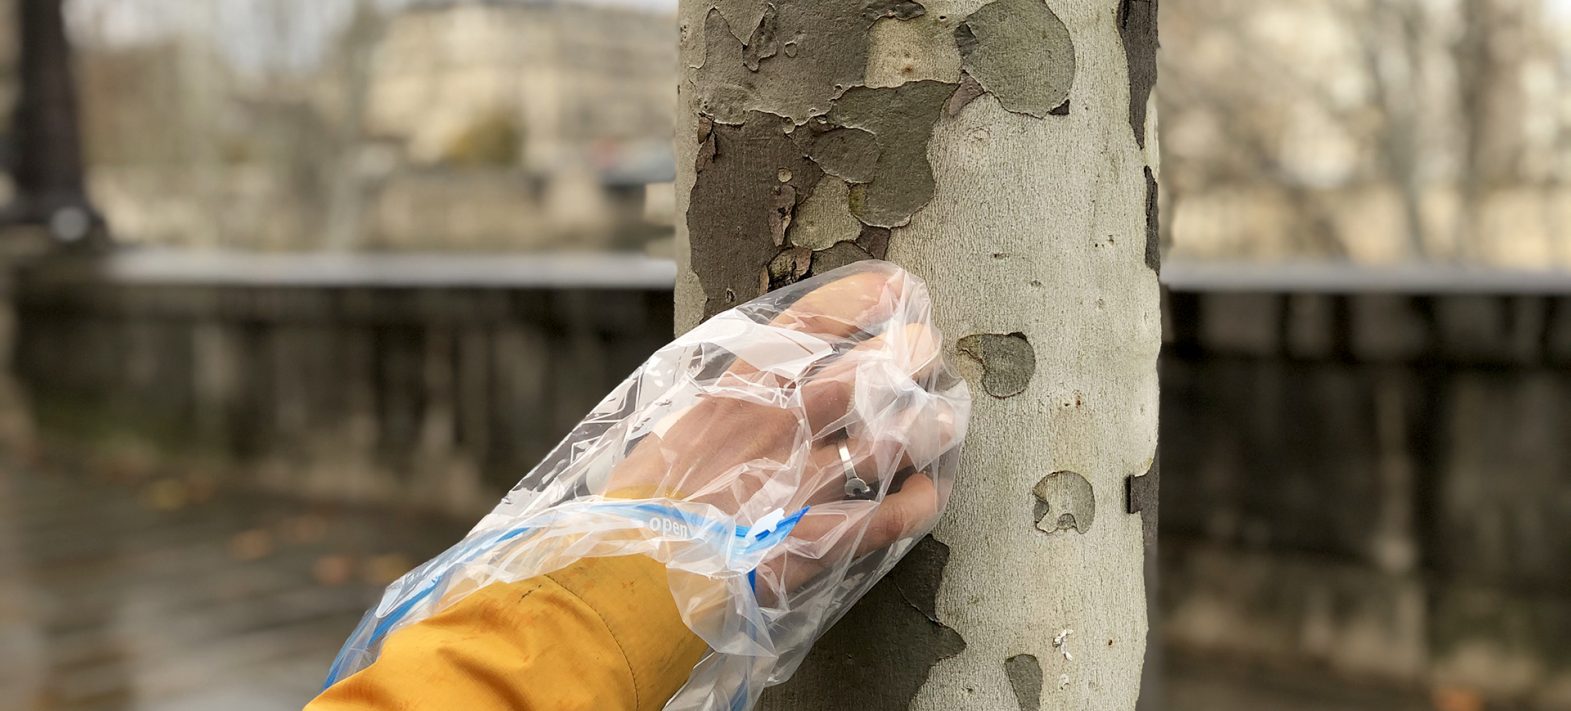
(872, 244)
(838, 256)
(1153, 224)
(1142, 499)
(788, 267)
(1021, 53)
(874, 241)
(745, 191)
(880, 654)
(1137, 27)
(1008, 361)
(1025, 677)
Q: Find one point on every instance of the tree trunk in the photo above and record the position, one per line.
(1004, 152)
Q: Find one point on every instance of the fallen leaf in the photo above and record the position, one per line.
(254, 544)
(1456, 699)
(333, 570)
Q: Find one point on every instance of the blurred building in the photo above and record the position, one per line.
(454, 124)
(572, 83)
(575, 99)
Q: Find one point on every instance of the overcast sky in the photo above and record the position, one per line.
(253, 33)
(294, 33)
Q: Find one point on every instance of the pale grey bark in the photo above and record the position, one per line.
(1037, 241)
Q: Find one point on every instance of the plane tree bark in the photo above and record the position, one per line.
(1003, 150)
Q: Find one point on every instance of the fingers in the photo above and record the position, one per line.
(827, 396)
(845, 306)
(857, 303)
(903, 514)
(835, 534)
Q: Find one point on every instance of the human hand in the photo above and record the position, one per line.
(844, 411)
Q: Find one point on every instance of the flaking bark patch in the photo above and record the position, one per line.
(761, 44)
(1025, 677)
(874, 241)
(824, 218)
(901, 119)
(827, 54)
(1021, 53)
(789, 266)
(1065, 501)
(964, 94)
(741, 16)
(740, 203)
(1153, 224)
(1137, 28)
(880, 654)
(1008, 361)
(838, 256)
(850, 154)
(897, 9)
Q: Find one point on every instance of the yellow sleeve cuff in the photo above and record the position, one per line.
(600, 634)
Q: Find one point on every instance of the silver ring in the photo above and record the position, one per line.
(855, 487)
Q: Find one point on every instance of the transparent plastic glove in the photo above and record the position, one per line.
(778, 460)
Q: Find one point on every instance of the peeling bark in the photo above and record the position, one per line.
(743, 166)
(825, 219)
(1065, 501)
(1153, 224)
(830, 55)
(1025, 677)
(847, 153)
(879, 655)
(1137, 28)
(901, 120)
(1020, 52)
(1007, 361)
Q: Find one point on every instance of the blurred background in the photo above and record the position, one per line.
(290, 287)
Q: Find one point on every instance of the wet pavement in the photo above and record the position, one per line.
(168, 593)
(123, 589)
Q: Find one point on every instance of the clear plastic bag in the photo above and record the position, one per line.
(778, 460)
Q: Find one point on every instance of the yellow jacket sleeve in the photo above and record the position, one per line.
(601, 634)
